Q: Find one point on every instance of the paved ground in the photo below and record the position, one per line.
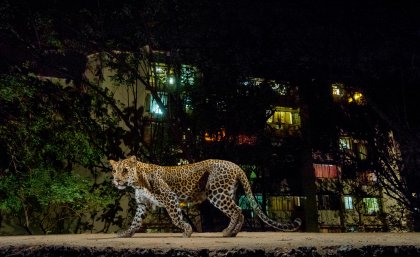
(214, 241)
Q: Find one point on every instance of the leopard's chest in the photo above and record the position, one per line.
(143, 194)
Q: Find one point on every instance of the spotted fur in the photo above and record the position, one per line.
(167, 186)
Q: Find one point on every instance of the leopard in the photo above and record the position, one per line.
(168, 186)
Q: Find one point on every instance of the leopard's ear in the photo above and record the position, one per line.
(112, 162)
(132, 158)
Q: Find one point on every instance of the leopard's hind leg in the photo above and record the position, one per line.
(221, 195)
(230, 209)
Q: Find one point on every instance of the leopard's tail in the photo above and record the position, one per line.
(287, 226)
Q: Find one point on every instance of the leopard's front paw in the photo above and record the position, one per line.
(187, 231)
(228, 233)
(125, 234)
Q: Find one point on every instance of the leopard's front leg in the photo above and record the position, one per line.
(171, 204)
(141, 212)
(169, 200)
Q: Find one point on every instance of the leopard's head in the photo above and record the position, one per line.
(123, 172)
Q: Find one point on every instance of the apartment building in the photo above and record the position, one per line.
(320, 170)
(308, 160)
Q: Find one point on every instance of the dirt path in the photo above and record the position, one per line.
(214, 241)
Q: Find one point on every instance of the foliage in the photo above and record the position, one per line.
(42, 131)
(398, 176)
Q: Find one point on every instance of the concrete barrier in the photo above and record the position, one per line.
(270, 244)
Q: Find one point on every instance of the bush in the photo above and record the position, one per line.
(48, 140)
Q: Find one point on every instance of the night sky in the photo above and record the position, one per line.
(374, 45)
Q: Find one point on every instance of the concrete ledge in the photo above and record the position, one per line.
(270, 244)
(64, 251)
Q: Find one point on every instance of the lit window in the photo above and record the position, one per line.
(189, 75)
(244, 203)
(354, 147)
(326, 171)
(171, 80)
(161, 74)
(371, 205)
(159, 69)
(256, 81)
(215, 137)
(348, 202)
(362, 149)
(154, 107)
(188, 104)
(246, 140)
(357, 98)
(281, 117)
(283, 203)
(345, 143)
(336, 90)
(284, 118)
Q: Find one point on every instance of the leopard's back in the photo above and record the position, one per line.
(191, 179)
